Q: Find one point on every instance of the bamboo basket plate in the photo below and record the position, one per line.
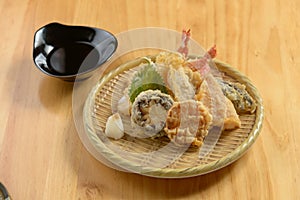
(136, 154)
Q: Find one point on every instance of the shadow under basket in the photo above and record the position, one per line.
(134, 154)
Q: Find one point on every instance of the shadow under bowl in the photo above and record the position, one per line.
(71, 52)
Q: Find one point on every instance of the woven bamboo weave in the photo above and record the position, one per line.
(230, 146)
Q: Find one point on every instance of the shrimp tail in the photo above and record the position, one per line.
(183, 49)
(202, 64)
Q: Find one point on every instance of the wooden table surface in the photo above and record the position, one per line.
(41, 155)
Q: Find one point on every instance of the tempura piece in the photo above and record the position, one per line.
(149, 111)
(231, 119)
(239, 96)
(114, 127)
(187, 123)
(124, 105)
(180, 85)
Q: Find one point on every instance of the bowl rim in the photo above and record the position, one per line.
(180, 172)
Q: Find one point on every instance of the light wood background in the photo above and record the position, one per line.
(41, 156)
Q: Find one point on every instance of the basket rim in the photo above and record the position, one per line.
(178, 172)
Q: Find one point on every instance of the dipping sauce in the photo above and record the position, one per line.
(73, 58)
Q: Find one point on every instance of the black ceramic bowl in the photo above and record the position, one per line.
(71, 52)
(3, 192)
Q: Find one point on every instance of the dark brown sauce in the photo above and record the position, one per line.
(73, 58)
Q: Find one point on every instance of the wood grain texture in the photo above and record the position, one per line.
(41, 156)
